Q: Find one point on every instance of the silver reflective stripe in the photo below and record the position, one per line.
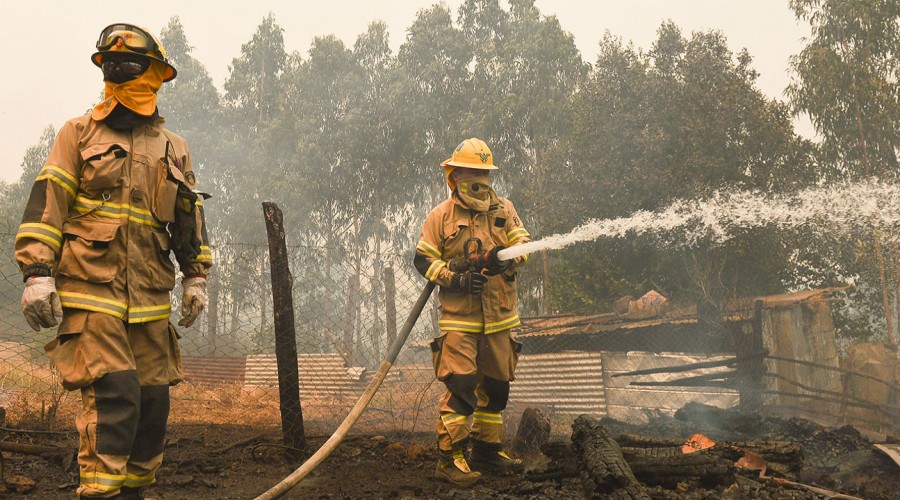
(92, 303)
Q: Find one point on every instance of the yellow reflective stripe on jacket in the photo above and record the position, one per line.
(427, 249)
(499, 326)
(147, 314)
(40, 231)
(101, 481)
(460, 326)
(516, 234)
(434, 269)
(488, 418)
(205, 255)
(55, 174)
(93, 303)
(115, 211)
(135, 481)
(451, 418)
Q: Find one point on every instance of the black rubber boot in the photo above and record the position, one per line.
(453, 468)
(490, 457)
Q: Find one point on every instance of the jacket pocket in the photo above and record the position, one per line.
(166, 197)
(85, 254)
(455, 234)
(509, 300)
(103, 166)
(166, 273)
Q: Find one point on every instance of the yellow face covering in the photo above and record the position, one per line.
(474, 188)
(138, 95)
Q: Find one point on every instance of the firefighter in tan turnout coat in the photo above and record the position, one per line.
(114, 198)
(476, 353)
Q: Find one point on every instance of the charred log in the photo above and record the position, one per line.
(532, 435)
(667, 467)
(604, 471)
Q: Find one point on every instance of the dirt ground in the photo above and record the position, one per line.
(240, 462)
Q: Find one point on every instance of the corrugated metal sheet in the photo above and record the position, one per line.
(632, 403)
(320, 375)
(213, 370)
(568, 383)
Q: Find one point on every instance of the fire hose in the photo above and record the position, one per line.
(322, 453)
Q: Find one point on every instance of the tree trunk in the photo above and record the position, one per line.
(390, 304)
(213, 314)
(350, 302)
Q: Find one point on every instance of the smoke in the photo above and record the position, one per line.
(838, 208)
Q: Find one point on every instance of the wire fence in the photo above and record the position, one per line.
(641, 357)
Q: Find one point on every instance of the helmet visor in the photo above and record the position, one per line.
(134, 38)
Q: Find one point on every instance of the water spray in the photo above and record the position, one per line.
(837, 208)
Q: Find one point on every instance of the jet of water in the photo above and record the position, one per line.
(837, 208)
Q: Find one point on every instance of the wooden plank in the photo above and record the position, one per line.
(892, 450)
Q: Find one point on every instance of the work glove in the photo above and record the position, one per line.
(40, 303)
(468, 282)
(494, 264)
(193, 301)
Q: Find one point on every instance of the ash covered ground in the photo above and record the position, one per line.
(238, 462)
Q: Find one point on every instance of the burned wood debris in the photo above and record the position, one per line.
(707, 452)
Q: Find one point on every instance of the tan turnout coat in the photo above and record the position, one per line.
(97, 215)
(444, 233)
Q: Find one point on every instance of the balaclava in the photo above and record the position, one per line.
(138, 95)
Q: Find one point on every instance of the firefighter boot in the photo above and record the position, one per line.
(453, 468)
(490, 457)
(126, 493)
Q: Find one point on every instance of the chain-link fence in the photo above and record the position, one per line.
(632, 360)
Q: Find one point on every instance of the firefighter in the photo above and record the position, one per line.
(114, 199)
(476, 352)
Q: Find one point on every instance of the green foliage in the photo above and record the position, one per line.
(348, 142)
(846, 80)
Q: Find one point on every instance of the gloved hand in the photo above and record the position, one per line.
(40, 303)
(193, 301)
(494, 264)
(468, 282)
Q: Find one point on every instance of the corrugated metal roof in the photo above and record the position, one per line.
(600, 323)
(738, 310)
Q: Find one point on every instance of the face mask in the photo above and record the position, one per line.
(475, 191)
(138, 95)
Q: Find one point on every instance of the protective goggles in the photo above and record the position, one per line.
(134, 38)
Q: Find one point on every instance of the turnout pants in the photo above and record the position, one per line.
(477, 370)
(123, 372)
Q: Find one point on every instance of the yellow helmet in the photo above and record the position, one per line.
(124, 37)
(471, 153)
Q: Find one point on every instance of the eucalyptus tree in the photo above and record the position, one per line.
(846, 80)
(433, 89)
(682, 120)
(190, 104)
(526, 70)
(246, 171)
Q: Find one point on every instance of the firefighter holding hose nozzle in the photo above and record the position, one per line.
(476, 353)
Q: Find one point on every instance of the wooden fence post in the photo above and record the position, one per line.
(285, 337)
